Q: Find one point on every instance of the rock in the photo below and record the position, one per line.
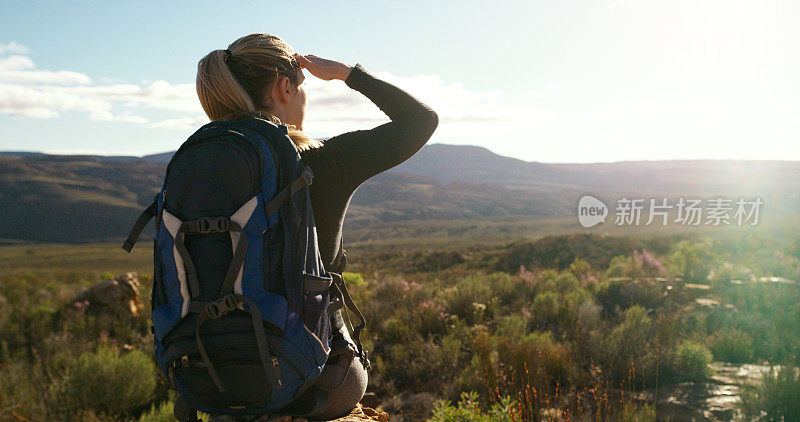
(708, 303)
(119, 295)
(410, 406)
(359, 413)
(363, 413)
(370, 400)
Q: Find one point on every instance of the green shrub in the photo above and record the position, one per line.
(460, 299)
(631, 412)
(545, 309)
(512, 326)
(520, 365)
(731, 345)
(620, 294)
(692, 360)
(510, 290)
(428, 318)
(421, 364)
(579, 267)
(569, 312)
(158, 413)
(18, 391)
(353, 279)
(693, 259)
(468, 410)
(106, 381)
(561, 283)
(628, 344)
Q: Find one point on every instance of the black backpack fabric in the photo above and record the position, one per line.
(241, 301)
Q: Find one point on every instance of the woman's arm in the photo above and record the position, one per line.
(369, 152)
(362, 154)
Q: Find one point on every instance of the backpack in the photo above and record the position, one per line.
(241, 302)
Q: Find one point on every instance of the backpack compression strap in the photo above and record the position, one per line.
(338, 282)
(341, 259)
(206, 226)
(221, 307)
(141, 222)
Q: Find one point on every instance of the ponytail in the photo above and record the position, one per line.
(221, 95)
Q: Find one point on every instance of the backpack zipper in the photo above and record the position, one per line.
(183, 362)
(277, 367)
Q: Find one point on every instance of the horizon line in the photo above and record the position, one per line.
(123, 155)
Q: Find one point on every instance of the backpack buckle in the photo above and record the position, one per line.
(222, 306)
(208, 225)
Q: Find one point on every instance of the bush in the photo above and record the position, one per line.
(18, 391)
(692, 360)
(545, 309)
(460, 299)
(353, 279)
(562, 283)
(731, 345)
(105, 381)
(158, 413)
(468, 410)
(426, 365)
(617, 295)
(628, 344)
(530, 365)
(693, 259)
(569, 314)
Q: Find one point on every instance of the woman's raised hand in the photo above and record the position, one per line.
(323, 68)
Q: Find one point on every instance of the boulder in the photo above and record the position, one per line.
(358, 414)
(118, 295)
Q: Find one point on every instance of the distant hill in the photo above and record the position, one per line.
(75, 198)
(163, 157)
(473, 164)
(59, 198)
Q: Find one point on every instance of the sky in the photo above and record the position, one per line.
(547, 81)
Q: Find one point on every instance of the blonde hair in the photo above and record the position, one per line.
(235, 83)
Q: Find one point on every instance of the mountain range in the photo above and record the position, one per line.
(80, 198)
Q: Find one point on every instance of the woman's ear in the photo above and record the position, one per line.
(281, 89)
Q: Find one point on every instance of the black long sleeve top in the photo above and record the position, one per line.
(345, 161)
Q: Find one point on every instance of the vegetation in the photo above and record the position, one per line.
(776, 396)
(496, 333)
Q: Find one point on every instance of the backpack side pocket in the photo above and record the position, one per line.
(316, 301)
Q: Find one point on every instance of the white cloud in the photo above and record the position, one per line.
(27, 92)
(156, 95)
(43, 103)
(20, 69)
(181, 123)
(13, 47)
(16, 63)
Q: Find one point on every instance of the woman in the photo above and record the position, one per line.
(260, 74)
